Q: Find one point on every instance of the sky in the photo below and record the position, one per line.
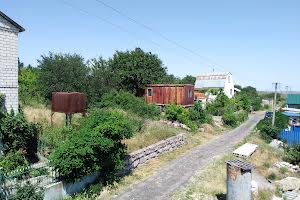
(258, 41)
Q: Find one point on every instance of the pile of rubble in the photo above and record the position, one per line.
(277, 144)
(176, 124)
(290, 167)
(290, 187)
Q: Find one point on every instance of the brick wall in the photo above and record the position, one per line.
(9, 64)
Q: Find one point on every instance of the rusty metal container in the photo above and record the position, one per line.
(239, 177)
(68, 102)
(164, 94)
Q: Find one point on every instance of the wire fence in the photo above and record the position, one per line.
(40, 175)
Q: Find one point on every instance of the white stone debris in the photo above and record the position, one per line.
(276, 144)
(290, 167)
(288, 184)
(176, 124)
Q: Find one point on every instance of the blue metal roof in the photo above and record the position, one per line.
(290, 114)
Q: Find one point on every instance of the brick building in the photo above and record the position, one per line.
(9, 31)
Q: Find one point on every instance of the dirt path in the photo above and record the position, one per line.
(176, 174)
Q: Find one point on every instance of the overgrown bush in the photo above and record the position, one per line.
(12, 161)
(230, 119)
(199, 115)
(96, 146)
(292, 154)
(180, 114)
(267, 131)
(217, 107)
(18, 134)
(127, 101)
(27, 192)
(52, 137)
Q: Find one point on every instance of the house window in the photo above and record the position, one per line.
(231, 92)
(149, 92)
(229, 79)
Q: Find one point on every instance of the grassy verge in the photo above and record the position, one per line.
(210, 181)
(153, 132)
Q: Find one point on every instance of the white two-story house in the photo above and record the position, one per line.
(9, 31)
(215, 80)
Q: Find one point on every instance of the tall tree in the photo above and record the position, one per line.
(62, 73)
(101, 79)
(188, 79)
(136, 68)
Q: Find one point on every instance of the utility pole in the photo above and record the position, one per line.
(274, 103)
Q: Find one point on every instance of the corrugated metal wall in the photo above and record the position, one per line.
(178, 94)
(292, 137)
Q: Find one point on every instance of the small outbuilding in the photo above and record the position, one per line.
(293, 101)
(164, 94)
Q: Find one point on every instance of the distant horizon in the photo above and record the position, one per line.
(257, 41)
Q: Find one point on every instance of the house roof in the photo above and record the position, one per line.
(15, 24)
(293, 99)
(211, 80)
(200, 95)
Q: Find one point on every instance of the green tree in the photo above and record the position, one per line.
(252, 95)
(218, 105)
(29, 90)
(188, 79)
(134, 69)
(101, 79)
(62, 73)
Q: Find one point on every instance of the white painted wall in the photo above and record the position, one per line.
(229, 86)
(9, 64)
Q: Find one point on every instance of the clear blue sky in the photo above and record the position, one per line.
(258, 41)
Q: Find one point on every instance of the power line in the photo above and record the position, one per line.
(111, 23)
(103, 19)
(207, 60)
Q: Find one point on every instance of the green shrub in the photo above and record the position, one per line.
(242, 116)
(283, 170)
(17, 133)
(127, 101)
(52, 137)
(217, 107)
(292, 154)
(27, 192)
(199, 115)
(179, 113)
(96, 146)
(230, 119)
(12, 161)
(38, 172)
(268, 133)
(272, 176)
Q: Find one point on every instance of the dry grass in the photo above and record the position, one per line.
(208, 183)
(152, 132)
(42, 115)
(265, 156)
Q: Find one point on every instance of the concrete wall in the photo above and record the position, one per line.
(60, 190)
(9, 64)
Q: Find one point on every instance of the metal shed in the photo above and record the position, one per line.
(164, 94)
